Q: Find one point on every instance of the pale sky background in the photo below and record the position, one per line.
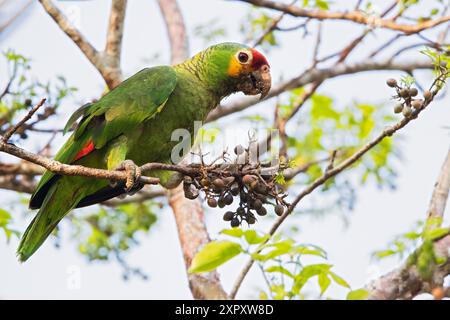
(379, 215)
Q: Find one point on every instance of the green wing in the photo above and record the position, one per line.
(134, 101)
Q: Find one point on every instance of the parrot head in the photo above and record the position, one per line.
(235, 67)
(251, 70)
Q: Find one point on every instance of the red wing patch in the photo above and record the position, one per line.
(88, 148)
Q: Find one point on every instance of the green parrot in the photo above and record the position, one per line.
(134, 123)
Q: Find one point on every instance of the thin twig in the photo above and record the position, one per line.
(325, 177)
(73, 33)
(316, 75)
(273, 25)
(14, 128)
(354, 16)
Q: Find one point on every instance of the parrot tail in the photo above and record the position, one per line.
(53, 209)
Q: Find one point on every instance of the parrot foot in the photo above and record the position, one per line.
(133, 172)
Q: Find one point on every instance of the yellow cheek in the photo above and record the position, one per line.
(234, 69)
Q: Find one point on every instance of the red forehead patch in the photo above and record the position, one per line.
(258, 59)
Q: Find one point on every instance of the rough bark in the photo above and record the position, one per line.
(188, 213)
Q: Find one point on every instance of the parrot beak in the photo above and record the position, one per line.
(256, 82)
(262, 80)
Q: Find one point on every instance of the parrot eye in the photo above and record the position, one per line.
(243, 57)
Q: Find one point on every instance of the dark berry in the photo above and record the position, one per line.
(391, 83)
(404, 93)
(212, 202)
(254, 184)
(398, 108)
(407, 111)
(234, 222)
(228, 216)
(417, 104)
(261, 211)
(235, 190)
(228, 199)
(248, 179)
(204, 182)
(219, 183)
(279, 210)
(413, 92)
(257, 204)
(260, 188)
(427, 94)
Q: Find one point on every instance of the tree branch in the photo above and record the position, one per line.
(18, 185)
(441, 191)
(328, 175)
(14, 128)
(113, 47)
(23, 168)
(353, 16)
(73, 33)
(193, 235)
(406, 281)
(175, 30)
(105, 66)
(70, 170)
(15, 15)
(316, 75)
(188, 213)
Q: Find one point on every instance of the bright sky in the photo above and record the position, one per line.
(378, 216)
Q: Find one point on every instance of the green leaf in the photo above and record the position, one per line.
(280, 248)
(324, 283)
(412, 235)
(279, 179)
(306, 250)
(339, 280)
(433, 222)
(322, 108)
(263, 295)
(435, 233)
(309, 272)
(213, 255)
(359, 294)
(321, 4)
(5, 217)
(283, 245)
(280, 269)
(252, 237)
(235, 232)
(384, 253)
(278, 291)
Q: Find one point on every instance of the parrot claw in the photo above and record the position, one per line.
(133, 172)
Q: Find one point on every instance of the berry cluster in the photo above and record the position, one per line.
(406, 96)
(243, 183)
